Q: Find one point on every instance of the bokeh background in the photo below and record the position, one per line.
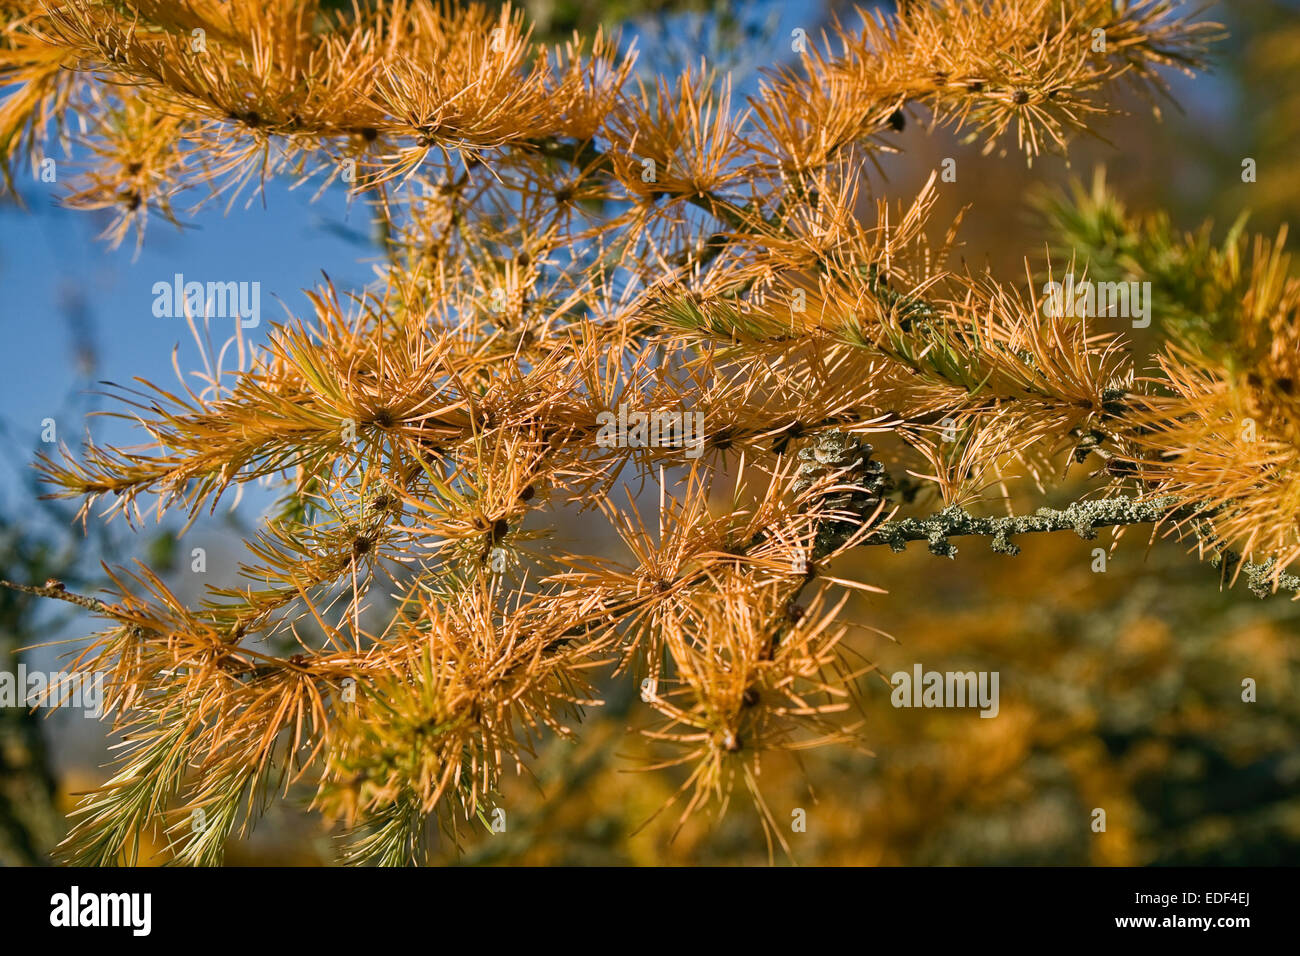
(1119, 690)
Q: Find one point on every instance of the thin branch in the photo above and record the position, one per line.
(55, 589)
(1084, 518)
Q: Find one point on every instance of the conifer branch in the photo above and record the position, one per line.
(535, 283)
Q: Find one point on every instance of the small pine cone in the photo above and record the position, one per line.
(844, 460)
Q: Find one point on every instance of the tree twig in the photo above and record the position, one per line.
(1084, 518)
(55, 589)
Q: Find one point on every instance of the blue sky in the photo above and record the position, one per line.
(51, 264)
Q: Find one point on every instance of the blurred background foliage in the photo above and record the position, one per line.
(1120, 690)
(29, 820)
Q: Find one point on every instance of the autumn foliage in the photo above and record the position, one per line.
(561, 236)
